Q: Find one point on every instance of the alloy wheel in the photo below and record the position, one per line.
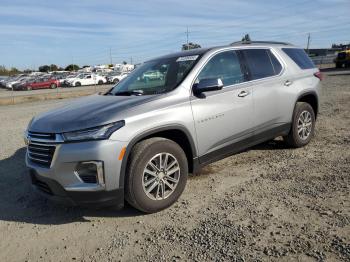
(161, 176)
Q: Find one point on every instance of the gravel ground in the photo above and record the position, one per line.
(268, 203)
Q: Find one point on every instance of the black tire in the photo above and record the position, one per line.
(140, 155)
(100, 82)
(53, 86)
(338, 65)
(294, 139)
(116, 81)
(77, 84)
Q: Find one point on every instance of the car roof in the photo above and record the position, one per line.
(201, 51)
(192, 52)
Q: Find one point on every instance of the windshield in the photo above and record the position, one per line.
(156, 76)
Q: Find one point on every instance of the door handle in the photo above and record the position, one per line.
(288, 83)
(243, 93)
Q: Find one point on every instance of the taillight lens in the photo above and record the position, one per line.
(319, 75)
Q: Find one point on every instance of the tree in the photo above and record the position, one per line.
(72, 67)
(53, 67)
(246, 38)
(44, 68)
(124, 62)
(190, 46)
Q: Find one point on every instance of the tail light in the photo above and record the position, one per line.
(319, 75)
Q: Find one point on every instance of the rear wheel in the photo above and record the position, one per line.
(156, 175)
(303, 125)
(100, 82)
(77, 84)
(53, 86)
(116, 81)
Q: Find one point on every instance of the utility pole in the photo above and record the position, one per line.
(308, 43)
(187, 47)
(110, 56)
(131, 60)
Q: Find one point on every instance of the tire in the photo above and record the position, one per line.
(77, 84)
(100, 82)
(116, 81)
(140, 158)
(297, 139)
(53, 86)
(338, 65)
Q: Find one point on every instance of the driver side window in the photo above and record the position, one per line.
(225, 66)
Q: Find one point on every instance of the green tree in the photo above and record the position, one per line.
(124, 62)
(190, 46)
(53, 67)
(246, 38)
(72, 67)
(44, 68)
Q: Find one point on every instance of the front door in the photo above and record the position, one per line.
(222, 117)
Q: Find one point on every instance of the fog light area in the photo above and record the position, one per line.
(91, 172)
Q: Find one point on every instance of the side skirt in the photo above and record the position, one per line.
(241, 145)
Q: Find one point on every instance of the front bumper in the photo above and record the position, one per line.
(52, 190)
(63, 182)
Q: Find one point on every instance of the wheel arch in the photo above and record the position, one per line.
(311, 98)
(176, 133)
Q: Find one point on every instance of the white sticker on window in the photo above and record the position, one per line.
(187, 58)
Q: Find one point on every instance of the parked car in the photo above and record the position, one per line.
(14, 80)
(87, 79)
(116, 77)
(65, 81)
(343, 59)
(141, 139)
(39, 83)
(153, 75)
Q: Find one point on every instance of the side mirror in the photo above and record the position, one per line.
(206, 85)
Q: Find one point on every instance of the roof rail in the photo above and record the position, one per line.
(258, 42)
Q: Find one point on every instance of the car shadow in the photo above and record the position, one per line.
(20, 203)
(275, 144)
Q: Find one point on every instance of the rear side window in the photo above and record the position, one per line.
(261, 63)
(299, 57)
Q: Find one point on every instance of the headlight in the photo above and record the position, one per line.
(95, 133)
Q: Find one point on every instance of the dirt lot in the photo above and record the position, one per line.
(268, 203)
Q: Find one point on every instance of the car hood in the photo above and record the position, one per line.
(85, 113)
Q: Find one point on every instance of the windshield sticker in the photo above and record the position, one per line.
(187, 58)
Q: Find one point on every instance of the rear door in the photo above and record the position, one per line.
(222, 117)
(268, 87)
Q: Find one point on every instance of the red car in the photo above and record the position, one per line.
(40, 83)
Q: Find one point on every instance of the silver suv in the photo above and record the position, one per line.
(142, 138)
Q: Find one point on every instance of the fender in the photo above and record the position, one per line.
(147, 133)
(310, 92)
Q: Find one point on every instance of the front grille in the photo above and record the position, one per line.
(41, 154)
(89, 179)
(46, 136)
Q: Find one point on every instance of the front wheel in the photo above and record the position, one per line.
(156, 174)
(100, 82)
(53, 86)
(303, 126)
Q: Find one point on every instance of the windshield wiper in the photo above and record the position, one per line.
(129, 93)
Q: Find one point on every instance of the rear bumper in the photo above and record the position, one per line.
(52, 190)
